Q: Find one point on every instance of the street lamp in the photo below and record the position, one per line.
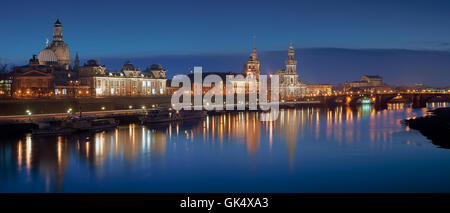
(29, 114)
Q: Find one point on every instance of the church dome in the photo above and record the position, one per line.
(128, 66)
(62, 52)
(47, 56)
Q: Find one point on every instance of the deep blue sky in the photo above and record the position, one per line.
(132, 29)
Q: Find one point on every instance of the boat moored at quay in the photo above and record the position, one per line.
(75, 124)
(164, 115)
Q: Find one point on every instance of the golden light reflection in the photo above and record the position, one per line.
(28, 152)
(59, 149)
(289, 135)
(87, 149)
(19, 155)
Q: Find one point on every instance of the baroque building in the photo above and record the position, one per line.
(56, 53)
(32, 80)
(51, 75)
(252, 65)
(290, 87)
(129, 81)
(367, 83)
(319, 89)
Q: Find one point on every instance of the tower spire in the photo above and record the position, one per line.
(254, 55)
(77, 61)
(291, 51)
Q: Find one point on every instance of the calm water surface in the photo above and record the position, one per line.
(305, 150)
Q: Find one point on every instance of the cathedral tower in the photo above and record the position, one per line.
(252, 65)
(291, 63)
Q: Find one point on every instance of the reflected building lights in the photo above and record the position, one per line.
(19, 155)
(28, 152)
(291, 134)
(59, 149)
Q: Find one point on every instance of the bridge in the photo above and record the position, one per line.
(417, 100)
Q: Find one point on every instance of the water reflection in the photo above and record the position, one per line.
(46, 162)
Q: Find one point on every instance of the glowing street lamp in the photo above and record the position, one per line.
(29, 114)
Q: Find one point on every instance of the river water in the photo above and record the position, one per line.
(306, 150)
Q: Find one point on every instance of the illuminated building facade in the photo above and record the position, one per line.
(33, 80)
(50, 75)
(252, 65)
(5, 85)
(129, 81)
(318, 89)
(290, 87)
(367, 83)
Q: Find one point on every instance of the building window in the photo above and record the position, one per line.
(64, 91)
(148, 84)
(153, 91)
(56, 91)
(160, 91)
(112, 91)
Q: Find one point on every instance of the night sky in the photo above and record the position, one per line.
(406, 42)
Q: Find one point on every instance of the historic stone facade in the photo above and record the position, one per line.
(290, 87)
(367, 83)
(127, 82)
(50, 75)
(319, 89)
(252, 65)
(33, 80)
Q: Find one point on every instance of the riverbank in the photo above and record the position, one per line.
(47, 106)
(435, 126)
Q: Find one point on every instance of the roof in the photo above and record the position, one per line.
(372, 76)
(222, 75)
(58, 23)
(128, 66)
(47, 55)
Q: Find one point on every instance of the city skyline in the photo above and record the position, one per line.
(409, 38)
(250, 100)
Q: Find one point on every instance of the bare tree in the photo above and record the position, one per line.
(4, 67)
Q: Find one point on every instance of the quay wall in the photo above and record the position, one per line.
(45, 106)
